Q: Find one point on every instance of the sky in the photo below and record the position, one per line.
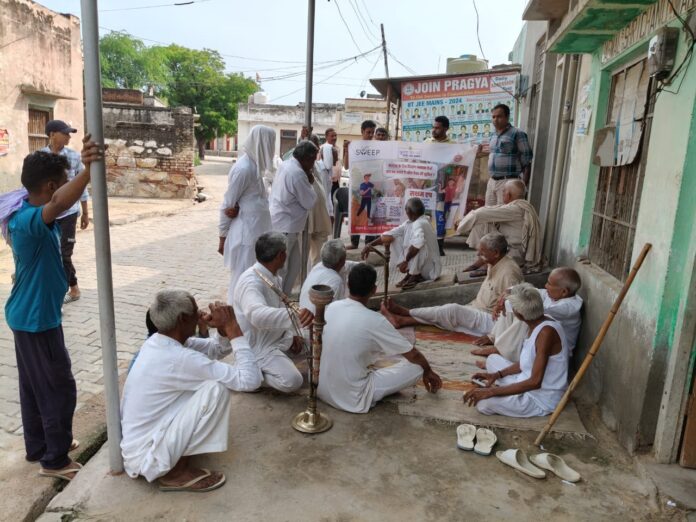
(269, 37)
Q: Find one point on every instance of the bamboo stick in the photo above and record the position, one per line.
(595, 345)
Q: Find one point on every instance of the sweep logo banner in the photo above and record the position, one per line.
(385, 174)
(466, 100)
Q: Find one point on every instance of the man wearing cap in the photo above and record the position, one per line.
(58, 133)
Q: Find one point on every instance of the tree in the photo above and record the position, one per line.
(126, 63)
(197, 80)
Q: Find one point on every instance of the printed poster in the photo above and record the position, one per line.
(385, 174)
(466, 100)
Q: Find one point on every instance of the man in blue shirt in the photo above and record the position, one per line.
(58, 133)
(47, 391)
(366, 195)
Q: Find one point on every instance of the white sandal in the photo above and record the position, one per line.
(517, 459)
(466, 433)
(556, 465)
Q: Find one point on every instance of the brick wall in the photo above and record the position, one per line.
(150, 151)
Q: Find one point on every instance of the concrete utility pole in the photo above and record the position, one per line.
(386, 72)
(102, 241)
(308, 118)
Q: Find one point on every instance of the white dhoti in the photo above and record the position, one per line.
(456, 318)
(508, 335)
(520, 405)
(316, 241)
(279, 372)
(394, 379)
(199, 426)
(241, 257)
(293, 262)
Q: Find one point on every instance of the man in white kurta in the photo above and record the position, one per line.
(328, 157)
(561, 303)
(244, 213)
(263, 317)
(413, 246)
(318, 224)
(292, 198)
(355, 338)
(476, 317)
(516, 219)
(176, 397)
(332, 271)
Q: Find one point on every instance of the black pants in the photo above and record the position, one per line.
(47, 394)
(365, 203)
(68, 226)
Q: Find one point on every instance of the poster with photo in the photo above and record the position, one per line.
(385, 174)
(467, 101)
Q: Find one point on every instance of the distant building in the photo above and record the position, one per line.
(286, 120)
(41, 79)
(358, 110)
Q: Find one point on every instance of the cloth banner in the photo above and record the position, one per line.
(385, 174)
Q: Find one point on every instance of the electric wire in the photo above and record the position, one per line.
(346, 25)
(478, 37)
(314, 83)
(177, 4)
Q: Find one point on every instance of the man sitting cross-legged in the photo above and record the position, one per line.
(331, 271)
(176, 399)
(414, 246)
(265, 320)
(533, 386)
(476, 317)
(560, 303)
(355, 337)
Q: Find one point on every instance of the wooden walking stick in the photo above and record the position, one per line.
(595, 345)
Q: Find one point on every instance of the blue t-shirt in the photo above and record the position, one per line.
(37, 295)
(366, 186)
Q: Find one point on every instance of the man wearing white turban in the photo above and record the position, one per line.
(244, 213)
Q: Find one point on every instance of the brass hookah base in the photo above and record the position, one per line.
(310, 420)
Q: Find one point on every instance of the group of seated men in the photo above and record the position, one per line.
(176, 397)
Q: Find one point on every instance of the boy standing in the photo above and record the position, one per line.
(47, 389)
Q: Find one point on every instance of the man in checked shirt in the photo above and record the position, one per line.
(510, 155)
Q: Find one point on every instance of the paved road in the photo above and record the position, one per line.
(147, 255)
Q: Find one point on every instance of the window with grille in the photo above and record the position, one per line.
(38, 119)
(619, 184)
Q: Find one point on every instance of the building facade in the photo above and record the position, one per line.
(615, 169)
(41, 79)
(286, 120)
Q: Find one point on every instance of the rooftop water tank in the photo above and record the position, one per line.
(466, 63)
(260, 97)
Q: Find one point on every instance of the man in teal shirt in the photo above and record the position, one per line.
(47, 389)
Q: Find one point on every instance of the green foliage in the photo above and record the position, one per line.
(183, 76)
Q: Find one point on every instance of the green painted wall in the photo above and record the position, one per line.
(633, 362)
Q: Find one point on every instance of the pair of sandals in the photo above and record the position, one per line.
(410, 281)
(63, 474)
(485, 439)
(535, 465)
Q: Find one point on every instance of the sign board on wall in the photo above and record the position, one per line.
(466, 100)
(4, 142)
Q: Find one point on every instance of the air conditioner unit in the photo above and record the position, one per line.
(662, 51)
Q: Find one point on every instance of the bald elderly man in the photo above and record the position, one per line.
(516, 219)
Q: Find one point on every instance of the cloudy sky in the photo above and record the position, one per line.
(268, 37)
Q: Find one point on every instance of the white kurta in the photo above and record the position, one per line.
(321, 275)
(355, 337)
(419, 234)
(245, 189)
(165, 397)
(267, 328)
(292, 197)
(535, 402)
(509, 333)
(325, 168)
(474, 318)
